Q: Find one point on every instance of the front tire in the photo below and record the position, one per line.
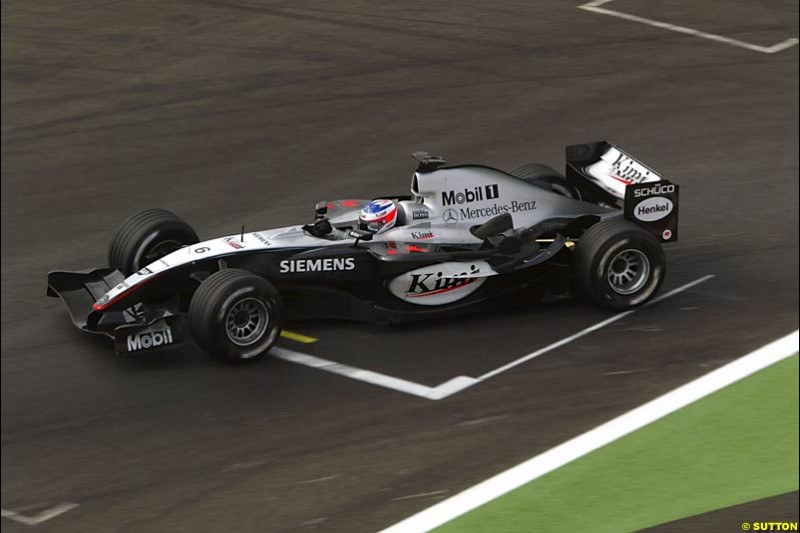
(146, 237)
(235, 316)
(618, 265)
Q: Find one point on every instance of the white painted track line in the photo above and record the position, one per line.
(598, 437)
(375, 378)
(595, 8)
(368, 376)
(459, 383)
(590, 329)
(44, 516)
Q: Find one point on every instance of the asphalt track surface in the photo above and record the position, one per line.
(782, 508)
(248, 112)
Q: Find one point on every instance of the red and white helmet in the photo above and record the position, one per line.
(378, 216)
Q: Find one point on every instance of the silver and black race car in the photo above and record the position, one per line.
(467, 236)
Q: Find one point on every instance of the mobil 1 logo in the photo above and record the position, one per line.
(161, 334)
(654, 206)
(468, 195)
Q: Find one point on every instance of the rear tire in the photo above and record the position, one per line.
(146, 237)
(235, 316)
(618, 265)
(547, 178)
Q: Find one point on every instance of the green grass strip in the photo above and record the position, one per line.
(740, 444)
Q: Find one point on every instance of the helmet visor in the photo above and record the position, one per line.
(376, 225)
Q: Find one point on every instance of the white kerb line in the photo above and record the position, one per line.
(598, 437)
(595, 8)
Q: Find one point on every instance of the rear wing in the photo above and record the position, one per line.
(607, 167)
(606, 174)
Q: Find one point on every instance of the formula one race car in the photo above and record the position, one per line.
(465, 236)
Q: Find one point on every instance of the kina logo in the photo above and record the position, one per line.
(432, 283)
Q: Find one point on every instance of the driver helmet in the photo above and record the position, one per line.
(378, 216)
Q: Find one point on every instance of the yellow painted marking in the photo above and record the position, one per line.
(568, 244)
(298, 337)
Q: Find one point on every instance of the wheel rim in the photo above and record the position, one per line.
(160, 250)
(628, 271)
(247, 321)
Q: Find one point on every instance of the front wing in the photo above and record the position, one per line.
(133, 330)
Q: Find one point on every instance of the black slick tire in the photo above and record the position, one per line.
(146, 237)
(618, 265)
(547, 178)
(235, 316)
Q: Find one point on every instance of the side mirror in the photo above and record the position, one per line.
(360, 235)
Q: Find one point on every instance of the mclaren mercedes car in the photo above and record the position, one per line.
(466, 236)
